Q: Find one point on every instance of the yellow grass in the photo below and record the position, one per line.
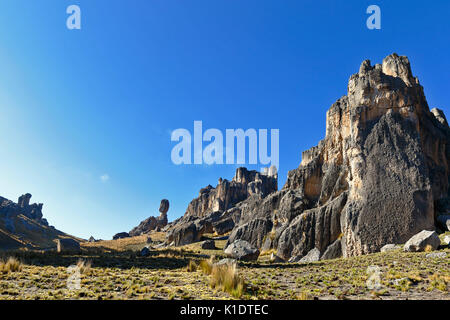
(11, 265)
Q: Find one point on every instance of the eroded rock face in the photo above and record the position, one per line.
(33, 211)
(228, 193)
(121, 235)
(218, 209)
(374, 179)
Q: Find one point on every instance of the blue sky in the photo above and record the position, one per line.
(79, 105)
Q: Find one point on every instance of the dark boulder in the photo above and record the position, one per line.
(67, 246)
(121, 235)
(242, 250)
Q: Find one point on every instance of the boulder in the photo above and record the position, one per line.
(390, 247)
(208, 245)
(67, 246)
(242, 250)
(422, 240)
(333, 251)
(183, 234)
(145, 252)
(312, 256)
(121, 235)
(436, 255)
(226, 261)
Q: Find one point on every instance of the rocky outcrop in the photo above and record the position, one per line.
(152, 223)
(22, 226)
(121, 235)
(376, 178)
(423, 240)
(23, 206)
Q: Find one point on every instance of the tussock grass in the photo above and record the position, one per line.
(226, 278)
(223, 277)
(84, 266)
(10, 265)
(206, 266)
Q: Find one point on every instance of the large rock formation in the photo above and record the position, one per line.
(152, 223)
(216, 209)
(23, 206)
(22, 226)
(373, 180)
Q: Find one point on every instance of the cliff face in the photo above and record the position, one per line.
(228, 193)
(374, 179)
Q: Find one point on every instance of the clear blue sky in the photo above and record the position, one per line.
(78, 105)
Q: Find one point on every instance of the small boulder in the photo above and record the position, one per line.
(208, 245)
(312, 256)
(242, 250)
(422, 240)
(389, 247)
(145, 252)
(436, 255)
(67, 246)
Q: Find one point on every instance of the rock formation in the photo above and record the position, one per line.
(380, 175)
(23, 206)
(215, 209)
(152, 223)
(22, 226)
(67, 246)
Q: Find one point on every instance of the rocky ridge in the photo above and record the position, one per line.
(380, 176)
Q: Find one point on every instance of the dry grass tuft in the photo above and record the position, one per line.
(206, 266)
(84, 266)
(192, 266)
(11, 265)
